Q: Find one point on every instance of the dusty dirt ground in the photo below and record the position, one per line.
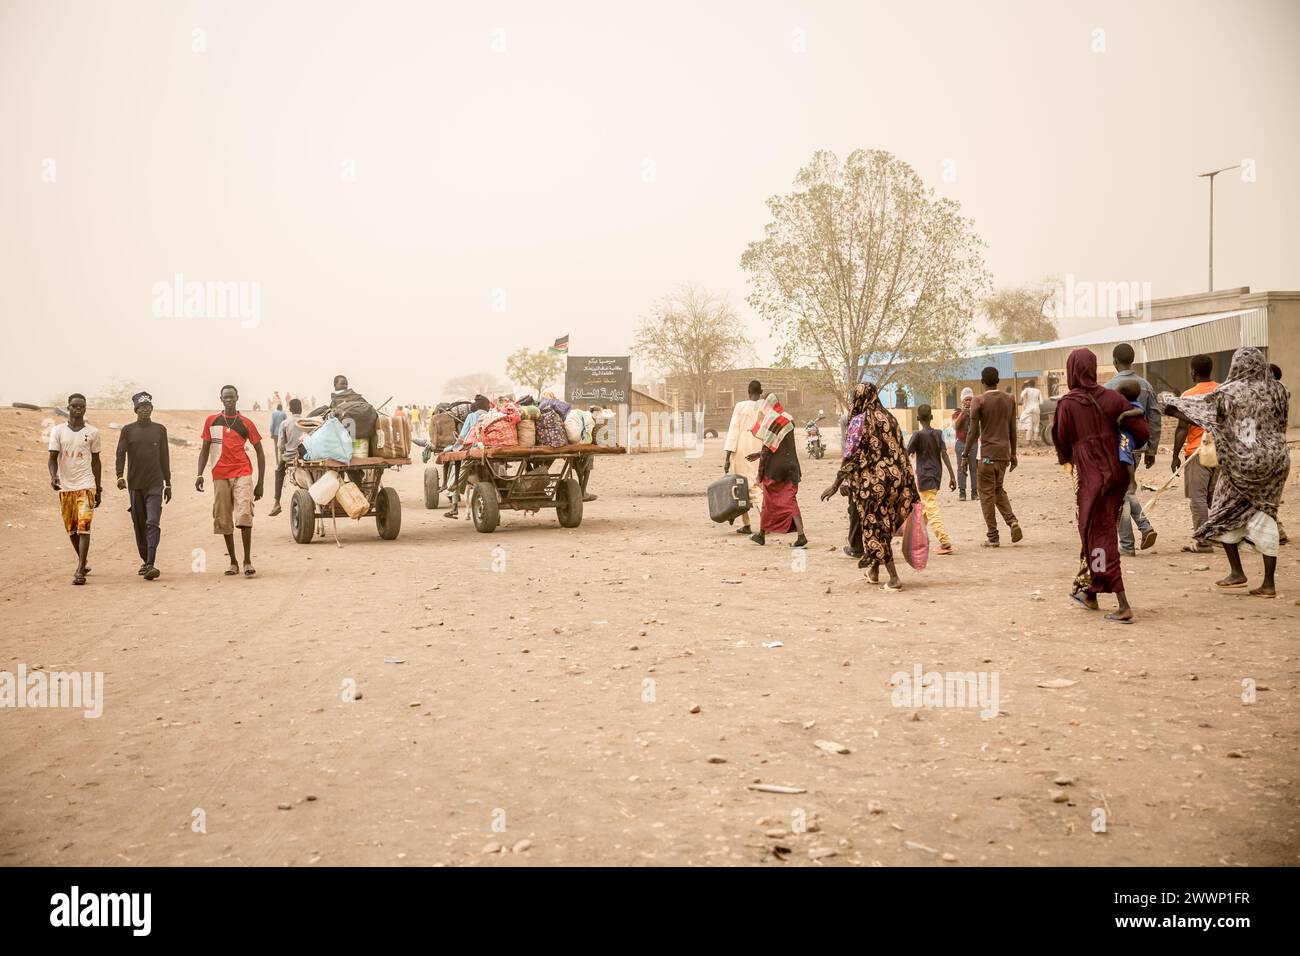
(525, 698)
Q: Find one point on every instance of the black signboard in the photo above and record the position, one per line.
(603, 380)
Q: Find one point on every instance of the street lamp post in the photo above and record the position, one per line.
(1211, 176)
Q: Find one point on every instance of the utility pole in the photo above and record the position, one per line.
(1211, 176)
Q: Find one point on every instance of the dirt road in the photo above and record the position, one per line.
(548, 708)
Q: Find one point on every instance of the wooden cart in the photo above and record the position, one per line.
(522, 479)
(307, 519)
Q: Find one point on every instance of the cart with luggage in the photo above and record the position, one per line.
(520, 478)
(364, 496)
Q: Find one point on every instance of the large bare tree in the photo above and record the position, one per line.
(863, 265)
(474, 383)
(692, 334)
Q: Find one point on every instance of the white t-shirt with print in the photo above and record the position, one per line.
(75, 449)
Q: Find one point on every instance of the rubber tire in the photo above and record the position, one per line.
(568, 503)
(484, 507)
(432, 486)
(710, 433)
(302, 528)
(1046, 434)
(27, 406)
(388, 513)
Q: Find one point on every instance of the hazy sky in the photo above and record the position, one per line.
(389, 173)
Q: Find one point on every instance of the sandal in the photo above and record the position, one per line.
(249, 570)
(232, 570)
(1230, 584)
(1118, 620)
(79, 578)
(1260, 592)
(1078, 599)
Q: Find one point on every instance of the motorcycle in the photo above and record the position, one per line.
(815, 446)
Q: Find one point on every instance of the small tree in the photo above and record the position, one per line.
(116, 394)
(1019, 314)
(693, 334)
(863, 264)
(534, 370)
(474, 383)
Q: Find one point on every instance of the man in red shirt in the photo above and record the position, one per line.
(233, 491)
(1198, 481)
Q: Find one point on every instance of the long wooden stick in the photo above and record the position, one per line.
(1161, 490)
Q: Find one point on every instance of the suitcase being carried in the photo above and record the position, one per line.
(728, 498)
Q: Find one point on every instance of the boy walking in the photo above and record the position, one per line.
(74, 474)
(1131, 510)
(144, 446)
(931, 453)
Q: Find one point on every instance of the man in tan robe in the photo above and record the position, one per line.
(741, 443)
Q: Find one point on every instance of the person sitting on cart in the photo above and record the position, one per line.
(479, 406)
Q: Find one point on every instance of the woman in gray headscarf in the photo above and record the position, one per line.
(1246, 416)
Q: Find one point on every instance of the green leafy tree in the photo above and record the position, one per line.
(534, 370)
(1019, 314)
(862, 263)
(692, 334)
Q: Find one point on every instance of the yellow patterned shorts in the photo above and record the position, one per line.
(78, 509)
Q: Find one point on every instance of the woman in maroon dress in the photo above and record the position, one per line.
(1086, 435)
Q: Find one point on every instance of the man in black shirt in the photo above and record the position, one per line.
(144, 442)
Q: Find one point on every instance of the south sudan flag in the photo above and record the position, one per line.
(561, 346)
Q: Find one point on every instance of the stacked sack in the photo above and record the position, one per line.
(551, 432)
(529, 416)
(579, 426)
(497, 427)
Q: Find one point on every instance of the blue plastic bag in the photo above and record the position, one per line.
(331, 440)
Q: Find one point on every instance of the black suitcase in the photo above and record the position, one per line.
(728, 497)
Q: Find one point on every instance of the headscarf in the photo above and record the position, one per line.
(966, 393)
(1081, 375)
(1247, 417)
(881, 483)
(773, 423)
(863, 394)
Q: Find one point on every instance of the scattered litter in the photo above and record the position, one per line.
(774, 788)
(773, 644)
(831, 747)
(394, 660)
(1056, 683)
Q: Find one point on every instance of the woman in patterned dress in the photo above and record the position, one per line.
(880, 479)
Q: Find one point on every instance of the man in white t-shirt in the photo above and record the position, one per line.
(1031, 404)
(741, 444)
(74, 474)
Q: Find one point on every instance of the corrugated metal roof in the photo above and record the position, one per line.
(1182, 337)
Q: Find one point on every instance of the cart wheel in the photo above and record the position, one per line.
(388, 513)
(431, 486)
(484, 507)
(302, 517)
(568, 503)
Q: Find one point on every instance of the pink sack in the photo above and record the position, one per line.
(499, 433)
(916, 538)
